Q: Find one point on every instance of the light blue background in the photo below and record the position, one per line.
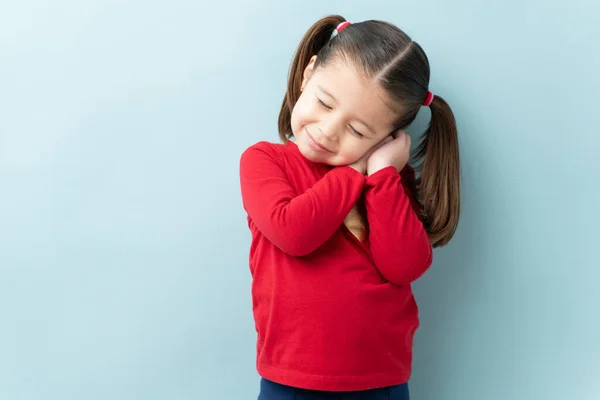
(123, 244)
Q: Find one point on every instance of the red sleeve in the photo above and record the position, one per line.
(295, 223)
(399, 243)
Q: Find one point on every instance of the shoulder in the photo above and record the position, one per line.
(264, 151)
(265, 147)
(409, 181)
(408, 173)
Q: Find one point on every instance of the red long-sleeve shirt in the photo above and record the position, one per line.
(332, 313)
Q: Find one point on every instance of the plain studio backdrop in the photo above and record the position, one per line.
(124, 245)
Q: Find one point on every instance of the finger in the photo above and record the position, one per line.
(378, 145)
(403, 138)
(385, 140)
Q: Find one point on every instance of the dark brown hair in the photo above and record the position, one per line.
(385, 53)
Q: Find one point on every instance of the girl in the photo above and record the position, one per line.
(340, 225)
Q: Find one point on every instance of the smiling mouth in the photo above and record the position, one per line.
(317, 144)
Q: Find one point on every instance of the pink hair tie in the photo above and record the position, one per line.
(428, 99)
(342, 25)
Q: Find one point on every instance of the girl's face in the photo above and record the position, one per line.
(340, 115)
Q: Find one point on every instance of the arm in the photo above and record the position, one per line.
(399, 243)
(295, 223)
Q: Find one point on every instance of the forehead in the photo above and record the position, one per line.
(357, 95)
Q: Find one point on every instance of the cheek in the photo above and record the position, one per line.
(352, 150)
(300, 114)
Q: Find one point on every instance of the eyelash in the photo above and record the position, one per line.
(357, 133)
(323, 104)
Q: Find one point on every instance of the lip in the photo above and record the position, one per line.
(316, 145)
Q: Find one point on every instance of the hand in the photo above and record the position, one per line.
(361, 164)
(394, 153)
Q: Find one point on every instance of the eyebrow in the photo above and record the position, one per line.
(322, 89)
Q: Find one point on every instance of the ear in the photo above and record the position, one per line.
(308, 71)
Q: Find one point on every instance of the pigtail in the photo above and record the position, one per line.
(313, 41)
(439, 184)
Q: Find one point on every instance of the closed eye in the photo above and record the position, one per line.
(354, 131)
(357, 133)
(323, 104)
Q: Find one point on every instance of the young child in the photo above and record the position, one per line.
(340, 224)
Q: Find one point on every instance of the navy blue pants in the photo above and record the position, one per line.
(274, 391)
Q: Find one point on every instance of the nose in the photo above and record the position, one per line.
(328, 129)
